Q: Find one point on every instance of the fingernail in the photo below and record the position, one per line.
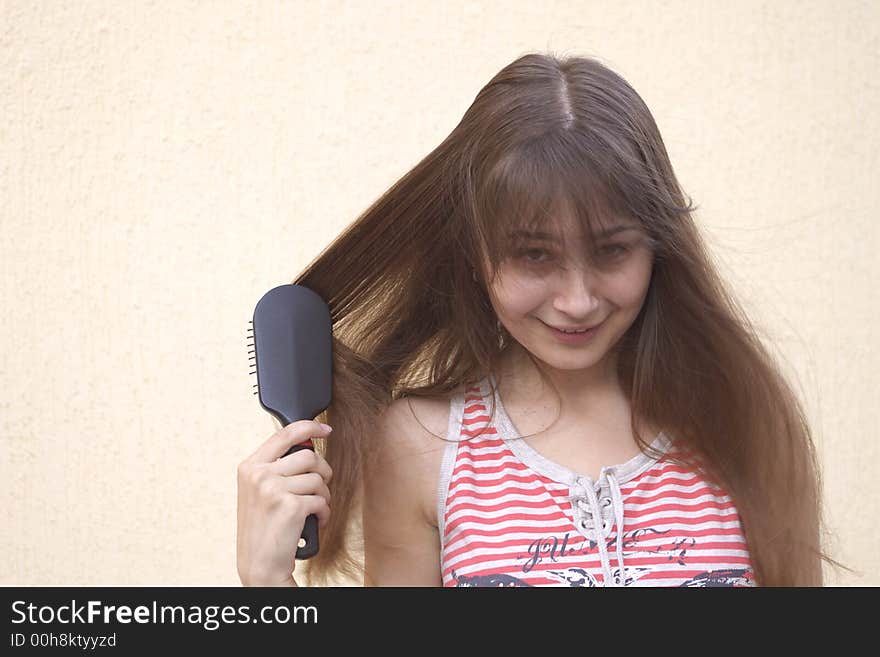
(327, 427)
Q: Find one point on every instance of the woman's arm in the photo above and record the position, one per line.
(401, 540)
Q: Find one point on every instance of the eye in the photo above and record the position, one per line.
(532, 255)
(612, 251)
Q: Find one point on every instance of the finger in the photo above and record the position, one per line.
(310, 483)
(315, 504)
(305, 460)
(283, 439)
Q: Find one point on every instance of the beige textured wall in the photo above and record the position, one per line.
(162, 164)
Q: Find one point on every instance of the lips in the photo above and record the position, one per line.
(577, 338)
(574, 329)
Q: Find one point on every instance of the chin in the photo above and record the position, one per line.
(574, 364)
(566, 361)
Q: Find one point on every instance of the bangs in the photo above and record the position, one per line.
(546, 184)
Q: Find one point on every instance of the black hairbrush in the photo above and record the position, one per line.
(292, 358)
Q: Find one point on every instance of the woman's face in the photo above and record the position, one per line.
(547, 284)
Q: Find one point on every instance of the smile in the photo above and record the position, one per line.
(574, 329)
(573, 335)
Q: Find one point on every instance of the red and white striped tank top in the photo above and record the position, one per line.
(510, 517)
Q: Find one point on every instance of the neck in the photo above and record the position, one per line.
(586, 397)
(580, 391)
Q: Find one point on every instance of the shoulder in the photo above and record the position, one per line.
(420, 418)
(401, 537)
(412, 442)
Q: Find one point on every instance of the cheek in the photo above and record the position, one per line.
(629, 289)
(515, 295)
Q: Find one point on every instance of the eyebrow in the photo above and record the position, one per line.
(547, 237)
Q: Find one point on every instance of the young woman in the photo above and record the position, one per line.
(539, 378)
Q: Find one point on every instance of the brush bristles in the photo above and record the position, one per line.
(253, 358)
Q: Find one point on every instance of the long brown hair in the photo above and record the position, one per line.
(549, 137)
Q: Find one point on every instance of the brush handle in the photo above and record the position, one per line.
(310, 529)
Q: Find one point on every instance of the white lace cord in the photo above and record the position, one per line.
(600, 534)
(617, 502)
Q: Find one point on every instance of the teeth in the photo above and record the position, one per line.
(581, 331)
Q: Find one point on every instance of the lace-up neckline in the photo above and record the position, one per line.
(597, 506)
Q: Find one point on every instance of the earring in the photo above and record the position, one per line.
(499, 334)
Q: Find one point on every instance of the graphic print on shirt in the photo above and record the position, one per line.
(551, 549)
(676, 552)
(487, 580)
(509, 519)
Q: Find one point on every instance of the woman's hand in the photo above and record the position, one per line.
(275, 495)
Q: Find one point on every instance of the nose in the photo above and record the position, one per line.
(577, 295)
